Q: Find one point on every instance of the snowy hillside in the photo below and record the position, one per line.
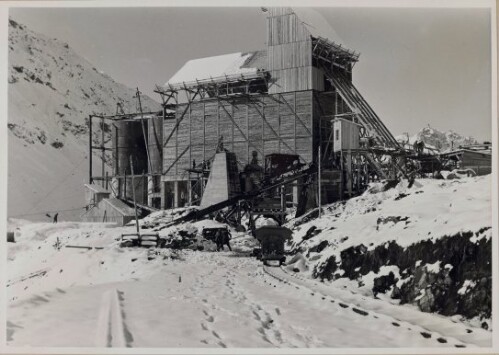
(51, 92)
(429, 245)
(434, 138)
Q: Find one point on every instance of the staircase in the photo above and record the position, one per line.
(367, 118)
(366, 115)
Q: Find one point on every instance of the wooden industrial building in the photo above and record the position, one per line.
(290, 97)
(480, 161)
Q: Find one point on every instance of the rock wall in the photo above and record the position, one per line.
(450, 275)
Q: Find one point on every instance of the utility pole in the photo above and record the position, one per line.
(144, 130)
(319, 180)
(133, 194)
(103, 151)
(90, 149)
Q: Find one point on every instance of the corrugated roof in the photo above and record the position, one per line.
(220, 66)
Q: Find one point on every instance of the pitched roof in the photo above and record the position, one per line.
(120, 206)
(220, 66)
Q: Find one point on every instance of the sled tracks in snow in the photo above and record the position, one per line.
(458, 335)
(112, 330)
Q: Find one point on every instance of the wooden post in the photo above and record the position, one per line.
(144, 131)
(134, 203)
(283, 204)
(103, 156)
(116, 151)
(238, 212)
(90, 149)
(124, 187)
(175, 195)
(144, 188)
(319, 178)
(342, 175)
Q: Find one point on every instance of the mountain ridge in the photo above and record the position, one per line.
(440, 140)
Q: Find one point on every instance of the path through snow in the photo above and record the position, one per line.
(218, 300)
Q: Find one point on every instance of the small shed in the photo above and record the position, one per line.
(110, 210)
(346, 134)
(95, 194)
(479, 161)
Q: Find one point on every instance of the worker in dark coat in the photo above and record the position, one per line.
(222, 238)
(226, 239)
(55, 217)
(218, 240)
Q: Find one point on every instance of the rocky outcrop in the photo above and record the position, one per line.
(450, 275)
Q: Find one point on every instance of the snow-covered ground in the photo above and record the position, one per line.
(105, 295)
(204, 300)
(430, 209)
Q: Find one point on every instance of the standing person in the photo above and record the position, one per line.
(218, 240)
(55, 217)
(226, 239)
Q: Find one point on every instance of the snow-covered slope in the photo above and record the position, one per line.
(434, 239)
(443, 141)
(51, 92)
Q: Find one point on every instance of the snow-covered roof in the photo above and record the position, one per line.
(220, 66)
(464, 150)
(316, 24)
(120, 206)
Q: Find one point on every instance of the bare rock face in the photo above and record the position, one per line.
(451, 275)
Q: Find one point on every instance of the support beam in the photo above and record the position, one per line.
(176, 160)
(240, 130)
(294, 113)
(179, 120)
(144, 130)
(127, 116)
(262, 115)
(90, 149)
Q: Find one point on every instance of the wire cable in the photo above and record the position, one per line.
(45, 212)
(57, 185)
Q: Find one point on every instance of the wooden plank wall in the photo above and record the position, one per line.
(287, 127)
(289, 53)
(283, 26)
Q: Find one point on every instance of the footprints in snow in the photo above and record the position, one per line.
(361, 312)
(209, 318)
(267, 328)
(216, 338)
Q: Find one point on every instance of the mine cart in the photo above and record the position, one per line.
(272, 240)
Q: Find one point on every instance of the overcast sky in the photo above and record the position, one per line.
(417, 66)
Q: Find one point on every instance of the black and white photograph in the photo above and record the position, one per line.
(224, 178)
